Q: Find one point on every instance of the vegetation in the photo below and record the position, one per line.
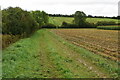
(109, 27)
(20, 60)
(46, 61)
(17, 21)
(9, 39)
(78, 22)
(80, 18)
(103, 23)
(40, 17)
(58, 53)
(59, 20)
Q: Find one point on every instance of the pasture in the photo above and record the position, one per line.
(58, 20)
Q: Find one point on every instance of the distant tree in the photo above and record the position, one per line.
(79, 18)
(90, 16)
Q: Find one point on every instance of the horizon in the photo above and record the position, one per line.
(107, 8)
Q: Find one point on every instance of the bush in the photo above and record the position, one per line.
(68, 25)
(109, 27)
(103, 23)
(17, 21)
(49, 25)
(85, 25)
(91, 25)
(9, 39)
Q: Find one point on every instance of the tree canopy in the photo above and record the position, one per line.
(79, 18)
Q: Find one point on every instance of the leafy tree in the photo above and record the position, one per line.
(79, 18)
(45, 17)
(17, 21)
(40, 17)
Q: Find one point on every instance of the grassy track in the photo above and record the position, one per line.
(48, 56)
(58, 20)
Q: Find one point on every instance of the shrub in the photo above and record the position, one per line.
(85, 25)
(68, 25)
(9, 39)
(90, 25)
(109, 27)
(49, 25)
(101, 23)
(17, 21)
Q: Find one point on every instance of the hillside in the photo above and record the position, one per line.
(58, 20)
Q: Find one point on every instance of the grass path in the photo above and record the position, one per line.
(46, 55)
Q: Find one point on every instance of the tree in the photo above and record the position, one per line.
(40, 17)
(17, 21)
(80, 18)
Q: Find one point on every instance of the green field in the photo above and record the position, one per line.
(58, 20)
(46, 55)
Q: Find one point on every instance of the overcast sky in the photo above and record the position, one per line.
(92, 7)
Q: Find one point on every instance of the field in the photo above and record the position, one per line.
(103, 42)
(58, 20)
(55, 56)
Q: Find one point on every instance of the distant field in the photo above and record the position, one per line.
(58, 20)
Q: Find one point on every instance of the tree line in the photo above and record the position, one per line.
(88, 16)
(17, 21)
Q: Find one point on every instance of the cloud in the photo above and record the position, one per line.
(93, 7)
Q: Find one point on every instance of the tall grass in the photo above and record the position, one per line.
(20, 60)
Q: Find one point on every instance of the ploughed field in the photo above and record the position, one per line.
(103, 42)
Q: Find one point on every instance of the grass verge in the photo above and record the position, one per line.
(20, 60)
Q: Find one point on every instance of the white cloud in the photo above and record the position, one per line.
(93, 7)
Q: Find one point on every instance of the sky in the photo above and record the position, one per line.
(90, 7)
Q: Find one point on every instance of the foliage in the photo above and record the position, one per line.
(59, 20)
(80, 18)
(68, 25)
(40, 17)
(109, 27)
(101, 23)
(9, 39)
(17, 21)
(49, 25)
(86, 25)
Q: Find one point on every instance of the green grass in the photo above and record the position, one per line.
(58, 20)
(46, 55)
(95, 20)
(20, 59)
(109, 27)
